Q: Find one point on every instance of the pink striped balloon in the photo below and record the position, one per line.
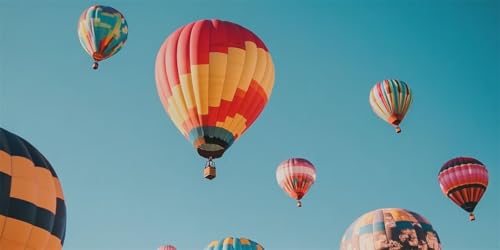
(167, 247)
(295, 176)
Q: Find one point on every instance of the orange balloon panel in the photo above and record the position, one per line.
(214, 78)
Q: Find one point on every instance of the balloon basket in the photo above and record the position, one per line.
(209, 172)
(398, 130)
(472, 217)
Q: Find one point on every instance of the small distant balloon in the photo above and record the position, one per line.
(102, 31)
(390, 228)
(390, 100)
(295, 176)
(464, 180)
(233, 243)
(167, 247)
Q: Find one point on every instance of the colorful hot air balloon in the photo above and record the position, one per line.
(231, 243)
(167, 247)
(295, 176)
(214, 78)
(32, 208)
(464, 180)
(390, 228)
(102, 31)
(390, 100)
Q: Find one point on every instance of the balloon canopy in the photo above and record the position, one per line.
(464, 180)
(32, 208)
(167, 247)
(295, 176)
(102, 31)
(232, 243)
(390, 100)
(390, 228)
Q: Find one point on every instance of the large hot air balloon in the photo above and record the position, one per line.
(390, 228)
(390, 100)
(464, 180)
(295, 176)
(102, 31)
(167, 247)
(230, 243)
(32, 208)
(214, 79)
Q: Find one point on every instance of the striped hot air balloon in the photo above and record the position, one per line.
(32, 208)
(167, 247)
(214, 78)
(295, 176)
(464, 180)
(390, 228)
(230, 243)
(390, 100)
(102, 31)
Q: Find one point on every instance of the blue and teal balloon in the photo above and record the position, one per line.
(102, 31)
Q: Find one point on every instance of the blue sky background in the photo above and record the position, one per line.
(131, 181)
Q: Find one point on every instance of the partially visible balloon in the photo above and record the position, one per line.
(390, 100)
(102, 31)
(295, 176)
(167, 247)
(213, 78)
(464, 180)
(230, 243)
(32, 208)
(390, 228)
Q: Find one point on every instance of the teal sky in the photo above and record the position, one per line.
(131, 181)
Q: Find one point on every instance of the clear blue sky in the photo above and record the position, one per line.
(131, 181)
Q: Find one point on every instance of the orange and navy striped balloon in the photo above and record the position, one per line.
(464, 180)
(390, 100)
(32, 208)
(295, 176)
(214, 78)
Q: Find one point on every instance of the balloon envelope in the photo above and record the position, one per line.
(295, 176)
(230, 243)
(167, 247)
(464, 180)
(32, 208)
(102, 31)
(390, 100)
(390, 228)
(213, 78)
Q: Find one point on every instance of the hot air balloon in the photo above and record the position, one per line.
(464, 180)
(32, 208)
(390, 228)
(213, 78)
(230, 243)
(102, 31)
(167, 247)
(295, 176)
(390, 100)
